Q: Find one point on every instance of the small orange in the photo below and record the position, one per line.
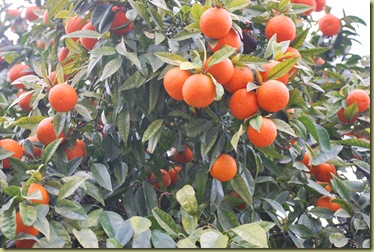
(199, 90)
(243, 104)
(215, 22)
(13, 146)
(17, 71)
(311, 3)
(62, 54)
(173, 172)
(88, 43)
(343, 119)
(30, 13)
(306, 160)
(267, 67)
(45, 17)
(37, 151)
(45, 131)
(265, 136)
(360, 97)
(73, 24)
(231, 39)
(224, 168)
(239, 79)
(222, 71)
(74, 151)
(283, 26)
(173, 82)
(121, 25)
(22, 228)
(62, 97)
(83, 146)
(166, 180)
(34, 187)
(323, 172)
(12, 12)
(272, 96)
(325, 202)
(329, 25)
(184, 156)
(24, 103)
(40, 44)
(320, 5)
(325, 185)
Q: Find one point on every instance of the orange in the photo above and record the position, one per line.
(121, 25)
(173, 82)
(283, 26)
(323, 172)
(325, 185)
(37, 151)
(343, 119)
(222, 71)
(319, 61)
(45, 17)
(74, 23)
(239, 79)
(265, 136)
(243, 104)
(329, 25)
(236, 195)
(320, 5)
(83, 146)
(63, 97)
(184, 156)
(232, 39)
(267, 67)
(306, 160)
(12, 12)
(45, 131)
(311, 3)
(173, 172)
(74, 151)
(22, 228)
(224, 168)
(13, 146)
(166, 180)
(40, 44)
(199, 90)
(325, 202)
(272, 96)
(17, 71)
(24, 103)
(215, 22)
(360, 97)
(34, 187)
(88, 43)
(62, 54)
(30, 13)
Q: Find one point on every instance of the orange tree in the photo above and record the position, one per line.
(169, 124)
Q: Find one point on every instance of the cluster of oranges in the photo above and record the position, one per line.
(361, 98)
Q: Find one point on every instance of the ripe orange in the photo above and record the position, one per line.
(45, 131)
(22, 228)
(166, 180)
(12, 12)
(40, 44)
(320, 5)
(173, 172)
(283, 26)
(83, 146)
(323, 172)
(34, 187)
(37, 151)
(311, 3)
(17, 71)
(74, 23)
(184, 156)
(306, 160)
(199, 90)
(325, 202)
(360, 97)
(74, 151)
(24, 104)
(267, 67)
(121, 24)
(215, 22)
(62, 54)
(243, 104)
(222, 71)
(13, 146)
(319, 61)
(239, 79)
(232, 39)
(30, 13)
(325, 185)
(343, 119)
(45, 17)
(329, 25)
(236, 195)
(272, 96)
(62, 97)
(224, 168)
(173, 82)
(266, 135)
(88, 43)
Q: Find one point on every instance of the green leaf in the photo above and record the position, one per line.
(123, 123)
(161, 240)
(8, 223)
(41, 222)
(236, 5)
(338, 239)
(28, 214)
(196, 11)
(113, 243)
(140, 224)
(322, 212)
(296, 100)
(121, 49)
(213, 239)
(189, 222)
(313, 51)
(252, 233)
(105, 50)
(12, 191)
(318, 188)
(227, 219)
(354, 142)
(276, 206)
(282, 68)
(28, 122)
(166, 222)
(300, 38)
(236, 137)
(152, 129)
(70, 210)
(186, 198)
(197, 127)
(201, 179)
(83, 34)
(250, 59)
(319, 133)
(101, 174)
(208, 140)
(220, 55)
(256, 122)
(301, 230)
(54, 6)
(134, 81)
(94, 191)
(86, 237)
(239, 185)
(54, 242)
(185, 243)
(120, 172)
(284, 127)
(50, 150)
(320, 156)
(115, 227)
(70, 186)
(110, 68)
(170, 58)
(341, 188)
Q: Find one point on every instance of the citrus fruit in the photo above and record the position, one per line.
(88, 43)
(34, 187)
(17, 71)
(25, 102)
(166, 180)
(62, 97)
(22, 228)
(325, 202)
(311, 3)
(224, 168)
(232, 39)
(243, 104)
(283, 26)
(30, 13)
(323, 172)
(37, 151)
(306, 160)
(329, 25)
(215, 22)
(73, 24)
(265, 136)
(325, 185)
(62, 54)
(320, 5)
(45, 131)
(272, 96)
(173, 82)
(360, 97)
(121, 25)
(267, 67)
(12, 146)
(183, 156)
(173, 172)
(199, 90)
(12, 12)
(239, 79)
(74, 151)
(222, 71)
(343, 119)
(83, 146)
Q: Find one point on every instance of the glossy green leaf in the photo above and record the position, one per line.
(86, 237)
(186, 198)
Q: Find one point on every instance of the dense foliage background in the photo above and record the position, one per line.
(132, 128)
